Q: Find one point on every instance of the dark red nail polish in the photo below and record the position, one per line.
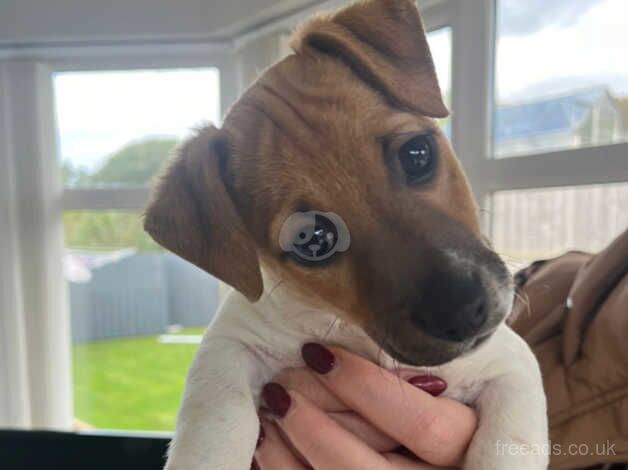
(261, 436)
(254, 465)
(318, 357)
(432, 385)
(276, 398)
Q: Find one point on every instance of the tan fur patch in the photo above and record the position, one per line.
(310, 134)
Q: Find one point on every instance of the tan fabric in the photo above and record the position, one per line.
(573, 311)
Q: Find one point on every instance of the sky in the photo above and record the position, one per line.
(440, 45)
(578, 43)
(545, 47)
(100, 112)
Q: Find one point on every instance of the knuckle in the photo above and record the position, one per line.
(313, 448)
(284, 375)
(432, 434)
(292, 377)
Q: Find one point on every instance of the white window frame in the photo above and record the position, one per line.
(217, 56)
(35, 337)
(473, 25)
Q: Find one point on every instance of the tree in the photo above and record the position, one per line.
(135, 164)
(72, 174)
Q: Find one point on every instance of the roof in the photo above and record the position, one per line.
(549, 116)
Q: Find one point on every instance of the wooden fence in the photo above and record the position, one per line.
(536, 224)
(141, 295)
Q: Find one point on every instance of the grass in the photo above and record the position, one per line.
(130, 383)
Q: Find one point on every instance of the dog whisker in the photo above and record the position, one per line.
(523, 297)
(331, 327)
(275, 287)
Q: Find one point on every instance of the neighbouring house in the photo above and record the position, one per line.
(589, 116)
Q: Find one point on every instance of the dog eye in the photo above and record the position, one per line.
(418, 158)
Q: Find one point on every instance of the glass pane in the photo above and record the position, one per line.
(116, 128)
(440, 45)
(535, 224)
(137, 316)
(562, 81)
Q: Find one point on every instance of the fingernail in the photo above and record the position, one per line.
(261, 436)
(254, 465)
(276, 398)
(432, 385)
(318, 357)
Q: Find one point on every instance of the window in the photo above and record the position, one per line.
(116, 128)
(520, 72)
(440, 46)
(561, 81)
(538, 224)
(561, 106)
(137, 312)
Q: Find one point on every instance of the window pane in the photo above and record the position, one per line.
(116, 128)
(440, 45)
(137, 315)
(540, 223)
(562, 81)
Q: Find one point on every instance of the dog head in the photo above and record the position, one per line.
(343, 130)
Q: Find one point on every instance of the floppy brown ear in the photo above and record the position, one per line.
(384, 42)
(192, 214)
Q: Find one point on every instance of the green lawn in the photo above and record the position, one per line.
(130, 383)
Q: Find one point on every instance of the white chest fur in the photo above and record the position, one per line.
(247, 345)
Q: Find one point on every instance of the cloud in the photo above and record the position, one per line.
(521, 17)
(559, 59)
(99, 112)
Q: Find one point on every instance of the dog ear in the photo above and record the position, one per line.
(192, 214)
(384, 42)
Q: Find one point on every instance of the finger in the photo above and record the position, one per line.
(399, 462)
(365, 431)
(325, 444)
(274, 453)
(438, 430)
(303, 381)
(286, 441)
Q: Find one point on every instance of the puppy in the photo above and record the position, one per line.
(342, 134)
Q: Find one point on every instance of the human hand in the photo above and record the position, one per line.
(345, 412)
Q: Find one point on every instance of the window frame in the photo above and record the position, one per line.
(135, 199)
(125, 58)
(35, 356)
(474, 41)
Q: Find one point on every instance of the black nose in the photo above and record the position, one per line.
(453, 309)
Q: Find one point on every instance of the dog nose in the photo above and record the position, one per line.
(453, 310)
